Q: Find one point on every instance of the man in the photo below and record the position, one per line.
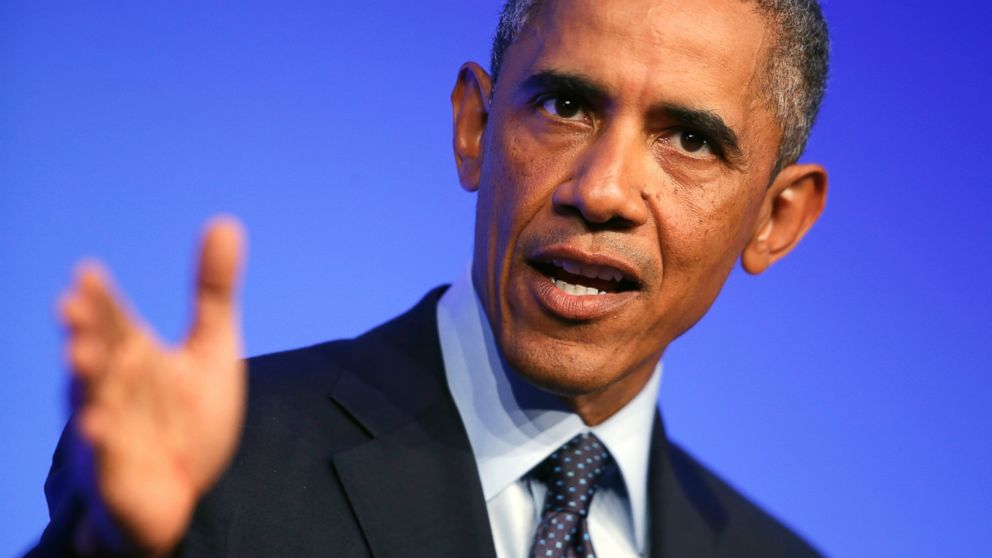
(625, 154)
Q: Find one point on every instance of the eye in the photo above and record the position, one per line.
(691, 144)
(566, 108)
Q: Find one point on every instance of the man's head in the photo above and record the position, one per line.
(627, 155)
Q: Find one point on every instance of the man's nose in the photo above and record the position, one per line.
(607, 186)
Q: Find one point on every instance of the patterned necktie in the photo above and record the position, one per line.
(572, 475)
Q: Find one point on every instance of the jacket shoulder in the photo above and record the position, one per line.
(748, 530)
(396, 358)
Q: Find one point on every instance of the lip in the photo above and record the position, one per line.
(563, 252)
(578, 307)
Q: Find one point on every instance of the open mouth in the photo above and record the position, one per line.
(578, 279)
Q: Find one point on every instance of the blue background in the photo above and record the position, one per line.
(847, 390)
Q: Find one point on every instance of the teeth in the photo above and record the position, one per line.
(590, 271)
(576, 290)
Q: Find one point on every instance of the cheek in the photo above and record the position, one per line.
(702, 231)
(705, 221)
(504, 206)
(518, 180)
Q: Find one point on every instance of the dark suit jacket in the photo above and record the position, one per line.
(355, 448)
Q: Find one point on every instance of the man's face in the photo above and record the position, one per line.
(625, 161)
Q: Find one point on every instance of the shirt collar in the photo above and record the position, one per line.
(513, 426)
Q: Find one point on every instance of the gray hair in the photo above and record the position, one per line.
(795, 76)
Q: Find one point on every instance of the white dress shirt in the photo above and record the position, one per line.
(513, 426)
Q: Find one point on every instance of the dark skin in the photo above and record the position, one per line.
(626, 148)
(630, 138)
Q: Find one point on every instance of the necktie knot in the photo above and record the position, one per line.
(573, 474)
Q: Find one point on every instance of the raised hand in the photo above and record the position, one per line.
(160, 423)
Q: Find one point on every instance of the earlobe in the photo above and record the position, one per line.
(470, 114)
(756, 257)
(793, 203)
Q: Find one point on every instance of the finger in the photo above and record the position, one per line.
(97, 324)
(92, 424)
(111, 320)
(221, 259)
(87, 356)
(85, 349)
(74, 312)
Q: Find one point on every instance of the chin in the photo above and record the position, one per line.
(560, 367)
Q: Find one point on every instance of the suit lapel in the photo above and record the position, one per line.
(416, 490)
(686, 519)
(414, 486)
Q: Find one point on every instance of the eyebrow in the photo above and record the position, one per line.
(707, 122)
(551, 80)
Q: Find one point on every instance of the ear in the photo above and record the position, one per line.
(792, 204)
(470, 112)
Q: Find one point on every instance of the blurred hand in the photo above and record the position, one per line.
(161, 423)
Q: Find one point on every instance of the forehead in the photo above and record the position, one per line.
(704, 53)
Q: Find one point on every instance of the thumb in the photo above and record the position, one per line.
(221, 260)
